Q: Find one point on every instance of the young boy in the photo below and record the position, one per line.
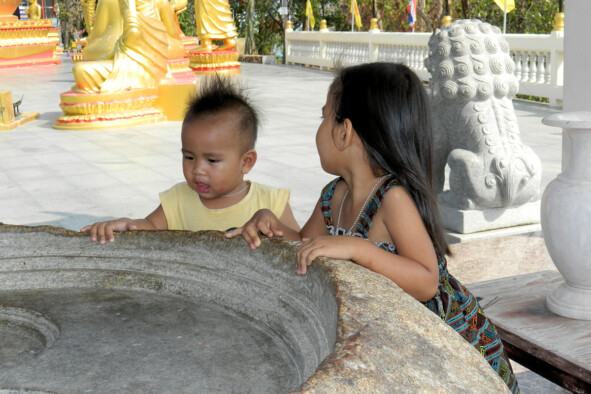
(218, 137)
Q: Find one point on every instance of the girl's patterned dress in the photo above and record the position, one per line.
(453, 302)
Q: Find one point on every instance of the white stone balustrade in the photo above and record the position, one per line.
(538, 57)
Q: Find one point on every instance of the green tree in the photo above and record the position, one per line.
(187, 20)
(71, 20)
(529, 16)
(267, 26)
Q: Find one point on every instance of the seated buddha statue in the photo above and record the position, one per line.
(214, 22)
(139, 55)
(34, 10)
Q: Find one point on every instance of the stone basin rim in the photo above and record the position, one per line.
(375, 344)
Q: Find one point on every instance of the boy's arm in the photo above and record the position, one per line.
(289, 220)
(104, 230)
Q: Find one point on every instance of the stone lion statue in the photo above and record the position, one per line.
(476, 132)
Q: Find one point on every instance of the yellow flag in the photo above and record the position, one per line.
(310, 14)
(355, 12)
(510, 5)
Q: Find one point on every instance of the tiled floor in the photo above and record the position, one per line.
(73, 178)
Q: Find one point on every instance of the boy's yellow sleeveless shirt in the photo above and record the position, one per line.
(185, 211)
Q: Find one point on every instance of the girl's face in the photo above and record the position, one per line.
(324, 138)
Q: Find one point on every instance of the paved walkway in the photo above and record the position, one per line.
(73, 178)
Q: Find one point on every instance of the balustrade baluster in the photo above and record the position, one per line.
(533, 69)
(517, 61)
(525, 67)
(549, 66)
(541, 77)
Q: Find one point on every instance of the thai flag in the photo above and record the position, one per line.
(412, 12)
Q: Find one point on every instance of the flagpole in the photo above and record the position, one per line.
(352, 17)
(505, 19)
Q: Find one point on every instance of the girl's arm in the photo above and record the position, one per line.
(104, 230)
(414, 268)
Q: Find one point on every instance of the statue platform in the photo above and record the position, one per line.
(24, 117)
(27, 42)
(214, 62)
(8, 118)
(86, 111)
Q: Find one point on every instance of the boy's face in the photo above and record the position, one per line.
(214, 158)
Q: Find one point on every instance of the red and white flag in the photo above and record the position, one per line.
(412, 13)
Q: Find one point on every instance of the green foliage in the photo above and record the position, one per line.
(71, 20)
(528, 17)
(536, 99)
(187, 20)
(267, 26)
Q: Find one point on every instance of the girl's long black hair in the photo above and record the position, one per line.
(389, 109)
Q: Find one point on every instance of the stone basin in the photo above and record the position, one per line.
(176, 311)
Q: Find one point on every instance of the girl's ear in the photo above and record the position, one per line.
(344, 135)
(248, 160)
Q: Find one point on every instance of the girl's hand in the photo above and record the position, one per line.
(334, 247)
(104, 230)
(264, 222)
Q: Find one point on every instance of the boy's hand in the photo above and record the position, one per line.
(264, 222)
(104, 230)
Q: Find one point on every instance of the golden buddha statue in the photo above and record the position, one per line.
(34, 10)
(135, 58)
(138, 73)
(214, 22)
(138, 60)
(88, 14)
(108, 28)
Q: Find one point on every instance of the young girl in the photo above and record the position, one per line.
(376, 137)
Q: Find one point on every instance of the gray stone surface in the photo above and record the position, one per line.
(466, 221)
(183, 312)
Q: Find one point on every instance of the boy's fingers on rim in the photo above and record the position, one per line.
(234, 233)
(276, 230)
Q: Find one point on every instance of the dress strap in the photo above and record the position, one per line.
(326, 201)
(366, 218)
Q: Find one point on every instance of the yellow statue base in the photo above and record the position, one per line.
(214, 62)
(87, 111)
(190, 43)
(27, 43)
(24, 117)
(8, 120)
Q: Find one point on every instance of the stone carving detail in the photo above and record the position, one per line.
(476, 131)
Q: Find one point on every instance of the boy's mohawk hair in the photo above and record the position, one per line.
(219, 94)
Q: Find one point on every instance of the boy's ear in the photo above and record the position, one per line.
(344, 135)
(248, 160)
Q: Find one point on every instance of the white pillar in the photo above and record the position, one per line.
(577, 62)
(565, 210)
